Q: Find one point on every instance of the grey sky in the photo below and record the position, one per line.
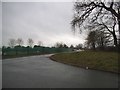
(0, 24)
(48, 22)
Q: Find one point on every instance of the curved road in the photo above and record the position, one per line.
(41, 72)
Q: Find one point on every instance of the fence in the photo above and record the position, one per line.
(35, 50)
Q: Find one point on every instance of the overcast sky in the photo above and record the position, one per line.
(48, 22)
(0, 24)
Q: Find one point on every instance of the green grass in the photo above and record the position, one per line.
(106, 61)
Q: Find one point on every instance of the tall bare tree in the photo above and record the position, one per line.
(97, 39)
(79, 46)
(59, 45)
(91, 39)
(106, 25)
(71, 46)
(20, 41)
(12, 43)
(30, 42)
(91, 11)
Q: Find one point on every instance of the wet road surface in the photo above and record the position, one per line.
(0, 72)
(41, 72)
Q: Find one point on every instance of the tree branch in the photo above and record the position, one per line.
(109, 9)
(111, 5)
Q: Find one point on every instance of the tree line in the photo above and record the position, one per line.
(19, 42)
(16, 47)
(30, 43)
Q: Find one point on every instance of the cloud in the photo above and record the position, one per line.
(48, 22)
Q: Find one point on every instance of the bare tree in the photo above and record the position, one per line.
(79, 46)
(71, 46)
(91, 11)
(59, 45)
(19, 41)
(106, 25)
(97, 39)
(12, 43)
(65, 46)
(30, 42)
(102, 39)
(91, 39)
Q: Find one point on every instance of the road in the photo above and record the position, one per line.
(41, 72)
(0, 72)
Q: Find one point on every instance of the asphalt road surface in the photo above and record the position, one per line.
(0, 71)
(41, 72)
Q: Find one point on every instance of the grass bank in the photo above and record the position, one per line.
(106, 61)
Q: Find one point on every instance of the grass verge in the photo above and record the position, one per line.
(105, 61)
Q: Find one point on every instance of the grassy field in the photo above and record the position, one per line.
(106, 61)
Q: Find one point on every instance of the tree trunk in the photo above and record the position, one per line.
(119, 32)
(102, 42)
(93, 45)
(115, 42)
(119, 35)
(115, 39)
